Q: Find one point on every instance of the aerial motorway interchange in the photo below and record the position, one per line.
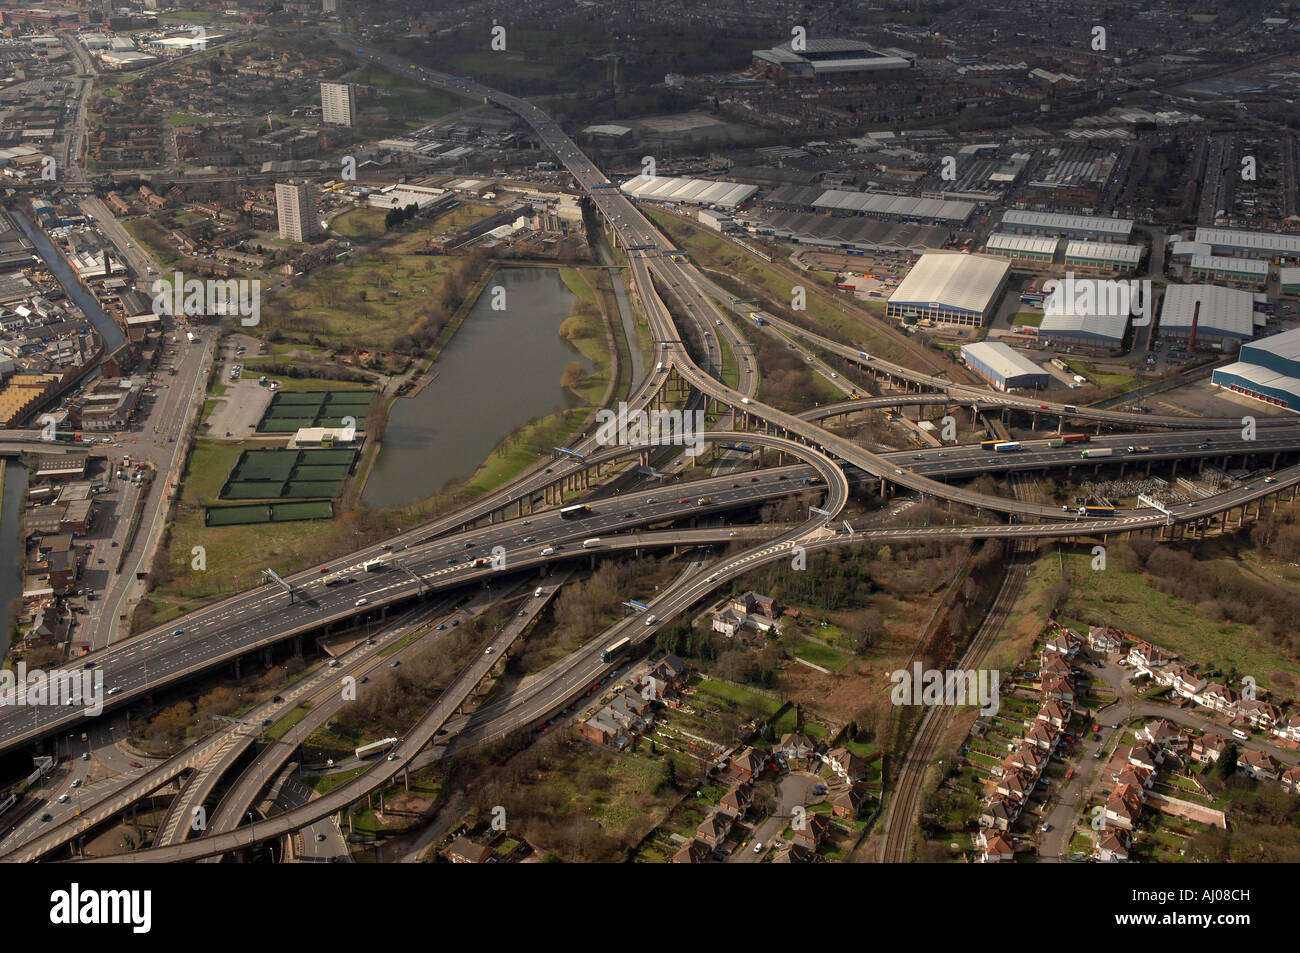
(451, 568)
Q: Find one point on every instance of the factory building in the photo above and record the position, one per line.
(662, 188)
(1250, 271)
(1077, 227)
(1268, 371)
(949, 288)
(1021, 247)
(1228, 241)
(851, 235)
(1103, 256)
(1100, 331)
(1208, 317)
(1289, 279)
(1003, 367)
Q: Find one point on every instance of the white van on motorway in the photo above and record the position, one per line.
(651, 619)
(549, 550)
(537, 593)
(591, 543)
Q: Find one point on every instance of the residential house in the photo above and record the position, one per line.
(1145, 756)
(1064, 643)
(694, 851)
(464, 851)
(796, 746)
(1124, 807)
(1290, 731)
(713, 830)
(849, 803)
(1000, 813)
(1028, 756)
(1042, 736)
(1017, 785)
(1112, 846)
(1258, 713)
(1291, 779)
(794, 853)
(1163, 734)
(747, 765)
(1053, 714)
(1050, 663)
(1104, 639)
(1146, 657)
(1188, 684)
(1259, 765)
(600, 729)
(1216, 697)
(1060, 687)
(814, 830)
(1207, 748)
(1137, 777)
(672, 671)
(846, 765)
(737, 799)
(994, 848)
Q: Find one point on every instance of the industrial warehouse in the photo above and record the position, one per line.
(1227, 241)
(882, 205)
(1102, 331)
(1208, 317)
(1250, 271)
(950, 288)
(862, 234)
(1078, 227)
(1004, 368)
(1103, 256)
(1269, 371)
(1023, 248)
(662, 188)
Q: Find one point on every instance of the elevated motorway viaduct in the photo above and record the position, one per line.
(568, 678)
(262, 617)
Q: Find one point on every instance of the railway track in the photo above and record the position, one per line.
(935, 721)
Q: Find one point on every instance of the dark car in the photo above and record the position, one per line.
(278, 698)
(46, 817)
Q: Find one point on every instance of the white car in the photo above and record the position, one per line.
(488, 650)
(758, 847)
(361, 602)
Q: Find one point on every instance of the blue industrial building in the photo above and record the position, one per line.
(1002, 366)
(1268, 370)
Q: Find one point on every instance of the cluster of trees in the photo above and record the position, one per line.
(400, 216)
(446, 301)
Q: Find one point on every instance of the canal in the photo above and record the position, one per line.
(500, 371)
(106, 326)
(11, 547)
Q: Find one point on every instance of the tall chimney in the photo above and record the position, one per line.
(1196, 319)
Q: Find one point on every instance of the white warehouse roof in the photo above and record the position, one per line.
(952, 280)
(1003, 360)
(1289, 276)
(1222, 309)
(883, 203)
(1267, 243)
(1125, 254)
(1245, 265)
(1109, 326)
(1118, 227)
(1025, 243)
(695, 191)
(1285, 345)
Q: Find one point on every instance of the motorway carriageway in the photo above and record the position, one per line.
(209, 637)
(567, 678)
